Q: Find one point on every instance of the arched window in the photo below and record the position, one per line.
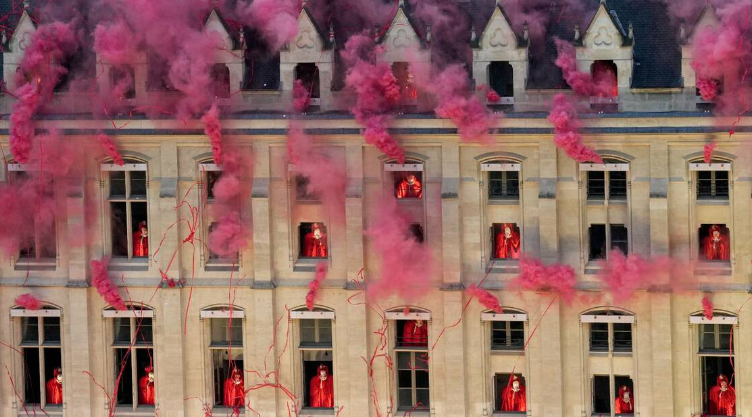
(315, 353)
(126, 193)
(220, 75)
(224, 336)
(123, 81)
(715, 353)
(411, 344)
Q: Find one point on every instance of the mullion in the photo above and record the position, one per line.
(40, 376)
(134, 385)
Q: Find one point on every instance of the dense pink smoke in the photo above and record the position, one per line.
(101, 281)
(28, 301)
(538, 13)
(213, 129)
(301, 99)
(326, 175)
(708, 88)
(276, 20)
(707, 307)
(407, 265)
(536, 276)
(707, 151)
(582, 83)
(110, 149)
(313, 286)
(623, 275)
(115, 42)
(377, 94)
(472, 118)
(484, 297)
(21, 124)
(566, 131)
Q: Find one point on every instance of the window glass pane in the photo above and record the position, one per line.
(620, 238)
(622, 337)
(423, 402)
(32, 388)
(30, 330)
(707, 337)
(52, 362)
(307, 331)
(601, 395)
(617, 185)
(51, 330)
(122, 330)
(145, 333)
(408, 184)
(421, 379)
(503, 185)
(596, 184)
(404, 361)
(125, 383)
(211, 179)
(724, 337)
(405, 398)
(597, 233)
(140, 227)
(599, 337)
(222, 335)
(117, 184)
(325, 332)
(405, 379)
(138, 184)
(119, 230)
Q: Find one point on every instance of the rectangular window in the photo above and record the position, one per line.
(416, 231)
(408, 185)
(210, 179)
(503, 185)
(308, 74)
(618, 238)
(712, 185)
(318, 365)
(714, 242)
(622, 337)
(220, 76)
(715, 338)
(158, 77)
(226, 356)
(617, 185)
(303, 190)
(262, 71)
(715, 369)
(133, 361)
(507, 402)
(613, 337)
(597, 234)
(599, 337)
(596, 185)
(601, 394)
(507, 335)
(38, 242)
(412, 381)
(128, 211)
(501, 78)
(123, 82)
(616, 181)
(315, 333)
(42, 362)
(313, 240)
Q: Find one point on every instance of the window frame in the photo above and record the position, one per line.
(609, 242)
(610, 165)
(414, 381)
(697, 321)
(18, 315)
(611, 319)
(205, 318)
(209, 260)
(492, 75)
(410, 166)
(105, 170)
(303, 349)
(135, 316)
(716, 165)
(394, 316)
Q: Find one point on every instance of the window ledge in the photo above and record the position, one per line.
(307, 264)
(308, 202)
(722, 268)
(712, 201)
(504, 202)
(317, 411)
(503, 352)
(594, 266)
(595, 201)
(617, 201)
(49, 410)
(411, 348)
(140, 411)
(225, 411)
(221, 266)
(509, 413)
(35, 265)
(503, 266)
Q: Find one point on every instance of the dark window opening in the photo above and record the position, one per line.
(408, 184)
(313, 240)
(617, 185)
(715, 242)
(411, 334)
(33, 389)
(610, 337)
(40, 346)
(220, 75)
(308, 74)
(314, 362)
(506, 241)
(261, 66)
(599, 337)
(597, 237)
(622, 337)
(29, 331)
(601, 394)
(605, 78)
(619, 238)
(405, 81)
(412, 381)
(715, 369)
(501, 78)
(158, 77)
(39, 241)
(123, 82)
(596, 185)
(124, 363)
(416, 232)
(503, 185)
(712, 185)
(303, 189)
(76, 68)
(210, 180)
(501, 382)
(224, 361)
(128, 214)
(507, 335)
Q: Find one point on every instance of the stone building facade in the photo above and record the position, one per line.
(654, 196)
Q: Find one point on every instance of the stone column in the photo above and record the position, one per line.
(169, 359)
(262, 244)
(80, 396)
(549, 233)
(450, 213)
(167, 215)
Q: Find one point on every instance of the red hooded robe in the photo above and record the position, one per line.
(511, 400)
(715, 249)
(146, 388)
(312, 247)
(405, 190)
(722, 403)
(140, 242)
(322, 390)
(621, 405)
(55, 388)
(234, 390)
(414, 335)
(507, 248)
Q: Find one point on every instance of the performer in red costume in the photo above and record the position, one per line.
(410, 187)
(623, 403)
(722, 398)
(322, 389)
(415, 333)
(715, 246)
(234, 390)
(55, 387)
(507, 242)
(141, 241)
(513, 396)
(146, 387)
(314, 243)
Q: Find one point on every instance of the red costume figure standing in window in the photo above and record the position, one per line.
(604, 77)
(410, 91)
(513, 396)
(146, 387)
(623, 403)
(415, 333)
(410, 187)
(141, 241)
(322, 389)
(314, 243)
(715, 245)
(55, 387)
(722, 398)
(507, 243)
(234, 390)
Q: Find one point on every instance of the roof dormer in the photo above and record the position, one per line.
(401, 41)
(310, 42)
(708, 20)
(215, 24)
(605, 31)
(22, 34)
(498, 34)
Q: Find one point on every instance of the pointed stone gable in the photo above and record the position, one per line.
(401, 35)
(707, 19)
(498, 33)
(308, 39)
(22, 35)
(602, 32)
(214, 25)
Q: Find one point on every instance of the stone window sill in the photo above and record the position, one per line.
(35, 265)
(317, 411)
(133, 264)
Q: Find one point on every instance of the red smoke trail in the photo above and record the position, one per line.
(582, 83)
(566, 131)
(213, 129)
(487, 299)
(109, 147)
(314, 285)
(623, 275)
(536, 276)
(707, 151)
(28, 301)
(276, 20)
(301, 96)
(707, 307)
(105, 288)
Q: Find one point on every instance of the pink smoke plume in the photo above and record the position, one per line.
(623, 275)
(566, 131)
(28, 301)
(708, 88)
(582, 83)
(707, 307)
(276, 20)
(109, 147)
(536, 276)
(101, 281)
(492, 96)
(313, 286)
(486, 298)
(114, 42)
(472, 118)
(21, 124)
(213, 129)
(377, 94)
(707, 151)
(407, 265)
(301, 99)
(326, 175)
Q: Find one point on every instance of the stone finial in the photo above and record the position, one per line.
(304, 4)
(428, 33)
(682, 32)
(401, 3)
(331, 33)
(376, 30)
(26, 4)
(576, 31)
(603, 2)
(631, 31)
(526, 31)
(498, 3)
(473, 35)
(241, 39)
